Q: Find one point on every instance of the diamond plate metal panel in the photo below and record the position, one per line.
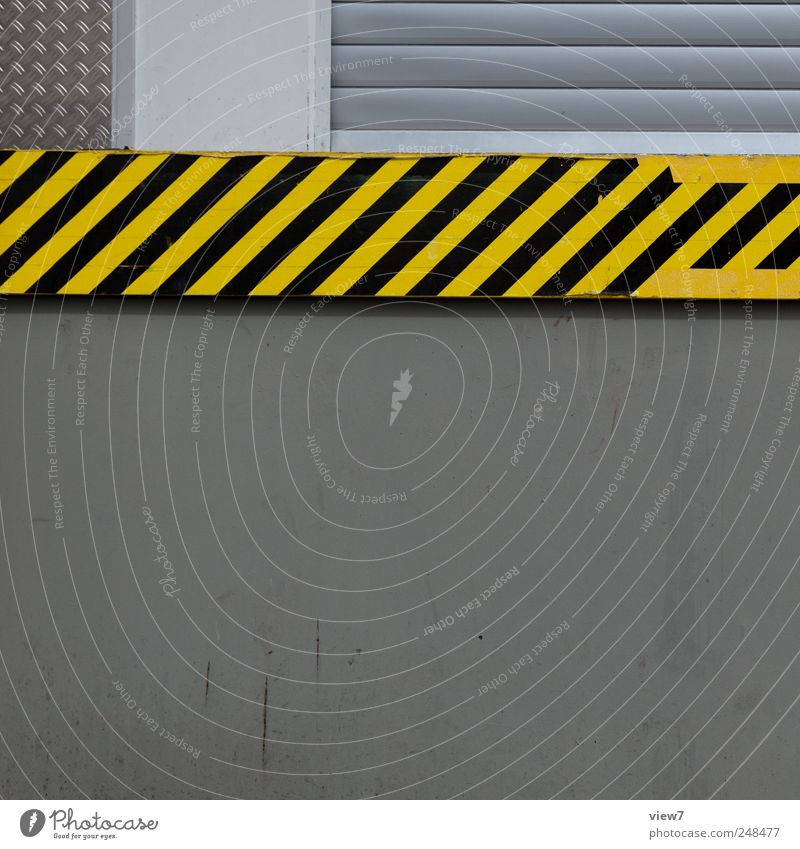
(55, 73)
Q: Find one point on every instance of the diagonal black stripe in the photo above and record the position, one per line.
(236, 227)
(110, 225)
(174, 226)
(598, 247)
(5, 154)
(486, 231)
(302, 226)
(430, 225)
(80, 196)
(672, 240)
(727, 246)
(556, 227)
(366, 224)
(30, 181)
(787, 252)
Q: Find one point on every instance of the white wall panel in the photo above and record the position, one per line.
(211, 75)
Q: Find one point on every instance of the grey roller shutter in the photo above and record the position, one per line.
(427, 68)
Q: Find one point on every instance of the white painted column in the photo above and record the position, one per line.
(221, 75)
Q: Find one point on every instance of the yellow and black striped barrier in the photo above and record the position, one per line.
(125, 223)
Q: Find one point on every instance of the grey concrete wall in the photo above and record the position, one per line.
(283, 595)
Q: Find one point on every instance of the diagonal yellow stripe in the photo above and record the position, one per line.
(767, 239)
(211, 222)
(464, 222)
(521, 229)
(587, 228)
(49, 194)
(262, 233)
(76, 228)
(333, 226)
(136, 232)
(393, 230)
(694, 247)
(639, 240)
(16, 165)
(730, 214)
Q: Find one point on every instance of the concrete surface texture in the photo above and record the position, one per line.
(358, 549)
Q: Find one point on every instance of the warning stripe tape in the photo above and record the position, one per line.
(125, 223)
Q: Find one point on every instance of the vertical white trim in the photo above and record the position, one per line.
(123, 74)
(319, 69)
